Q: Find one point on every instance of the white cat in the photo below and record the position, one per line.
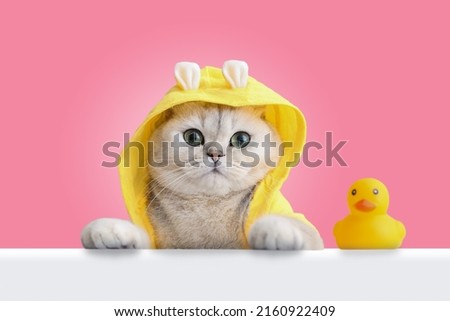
(200, 198)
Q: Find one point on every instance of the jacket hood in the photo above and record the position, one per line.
(230, 86)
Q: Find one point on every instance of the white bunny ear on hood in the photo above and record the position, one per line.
(187, 75)
(236, 73)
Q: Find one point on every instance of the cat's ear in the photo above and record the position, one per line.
(168, 114)
(187, 75)
(236, 73)
(260, 112)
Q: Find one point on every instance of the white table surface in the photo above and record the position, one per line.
(332, 274)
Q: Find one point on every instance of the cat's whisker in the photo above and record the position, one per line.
(165, 187)
(154, 189)
(160, 180)
(162, 177)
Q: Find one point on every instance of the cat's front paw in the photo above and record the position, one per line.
(274, 232)
(110, 233)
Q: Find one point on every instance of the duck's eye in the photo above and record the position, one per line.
(354, 192)
(240, 139)
(193, 137)
(375, 191)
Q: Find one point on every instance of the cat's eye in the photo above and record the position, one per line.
(193, 137)
(240, 139)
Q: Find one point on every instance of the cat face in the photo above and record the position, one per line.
(209, 149)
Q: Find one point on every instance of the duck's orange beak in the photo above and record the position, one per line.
(365, 205)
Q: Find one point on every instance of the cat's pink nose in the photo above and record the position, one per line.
(215, 154)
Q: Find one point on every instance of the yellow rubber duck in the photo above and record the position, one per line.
(368, 226)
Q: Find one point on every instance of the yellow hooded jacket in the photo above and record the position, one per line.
(213, 87)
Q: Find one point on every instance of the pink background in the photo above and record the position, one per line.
(76, 75)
